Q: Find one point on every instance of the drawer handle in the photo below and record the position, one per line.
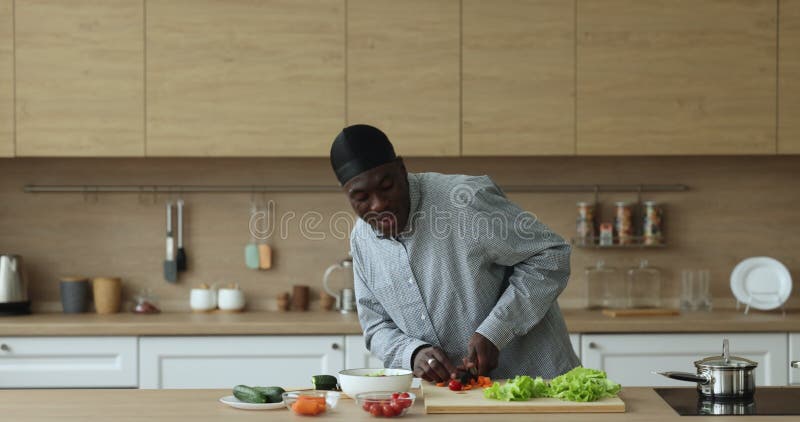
(335, 346)
(593, 345)
(4, 347)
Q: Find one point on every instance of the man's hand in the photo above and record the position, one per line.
(482, 354)
(432, 364)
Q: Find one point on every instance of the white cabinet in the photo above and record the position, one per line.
(794, 354)
(68, 362)
(225, 361)
(575, 340)
(356, 354)
(630, 358)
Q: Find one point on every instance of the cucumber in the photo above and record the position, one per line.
(273, 394)
(248, 394)
(324, 382)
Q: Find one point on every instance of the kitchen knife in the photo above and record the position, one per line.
(180, 259)
(170, 266)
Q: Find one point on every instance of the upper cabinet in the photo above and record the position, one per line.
(6, 78)
(244, 78)
(518, 77)
(403, 72)
(674, 77)
(79, 78)
(789, 78)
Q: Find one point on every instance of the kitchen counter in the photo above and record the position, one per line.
(319, 322)
(643, 404)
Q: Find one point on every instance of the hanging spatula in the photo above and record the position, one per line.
(180, 258)
(170, 266)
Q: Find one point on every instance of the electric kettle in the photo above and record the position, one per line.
(345, 299)
(13, 286)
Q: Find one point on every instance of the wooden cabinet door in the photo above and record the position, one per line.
(789, 77)
(79, 77)
(518, 77)
(225, 361)
(676, 77)
(244, 78)
(68, 362)
(403, 72)
(6, 78)
(629, 358)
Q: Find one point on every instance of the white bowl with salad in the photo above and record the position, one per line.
(363, 380)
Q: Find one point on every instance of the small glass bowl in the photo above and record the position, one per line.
(311, 402)
(382, 404)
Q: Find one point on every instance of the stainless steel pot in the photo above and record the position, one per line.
(721, 377)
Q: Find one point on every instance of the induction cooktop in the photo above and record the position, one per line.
(766, 401)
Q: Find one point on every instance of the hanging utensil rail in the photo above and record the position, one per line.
(181, 189)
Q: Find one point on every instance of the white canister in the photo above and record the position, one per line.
(203, 300)
(230, 299)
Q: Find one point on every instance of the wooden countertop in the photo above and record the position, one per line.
(318, 322)
(643, 404)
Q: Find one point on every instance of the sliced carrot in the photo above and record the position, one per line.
(309, 405)
(467, 387)
(440, 384)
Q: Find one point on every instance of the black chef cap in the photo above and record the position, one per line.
(359, 148)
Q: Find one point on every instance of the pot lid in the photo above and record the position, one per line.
(726, 360)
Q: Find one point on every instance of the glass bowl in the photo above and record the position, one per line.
(311, 402)
(385, 404)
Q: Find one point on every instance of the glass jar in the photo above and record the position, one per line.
(644, 286)
(605, 287)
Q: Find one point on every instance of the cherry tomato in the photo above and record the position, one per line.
(375, 410)
(387, 410)
(367, 405)
(455, 385)
(406, 403)
(405, 395)
(397, 407)
(395, 396)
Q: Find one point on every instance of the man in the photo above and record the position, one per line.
(448, 271)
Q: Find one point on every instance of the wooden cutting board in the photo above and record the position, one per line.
(442, 400)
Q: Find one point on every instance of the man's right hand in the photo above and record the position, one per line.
(432, 364)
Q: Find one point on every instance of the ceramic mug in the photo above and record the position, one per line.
(230, 299)
(107, 294)
(203, 300)
(75, 294)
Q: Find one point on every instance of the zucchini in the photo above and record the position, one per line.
(273, 394)
(248, 394)
(324, 382)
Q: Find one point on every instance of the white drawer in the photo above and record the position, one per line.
(224, 361)
(68, 362)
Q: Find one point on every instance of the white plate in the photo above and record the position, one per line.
(761, 282)
(234, 402)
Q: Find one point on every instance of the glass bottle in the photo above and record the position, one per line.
(644, 286)
(605, 287)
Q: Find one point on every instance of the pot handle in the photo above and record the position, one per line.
(685, 376)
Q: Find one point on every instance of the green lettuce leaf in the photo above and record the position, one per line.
(583, 384)
(579, 384)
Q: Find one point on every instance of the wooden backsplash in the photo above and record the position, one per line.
(736, 207)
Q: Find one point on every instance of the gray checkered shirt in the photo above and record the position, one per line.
(468, 261)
